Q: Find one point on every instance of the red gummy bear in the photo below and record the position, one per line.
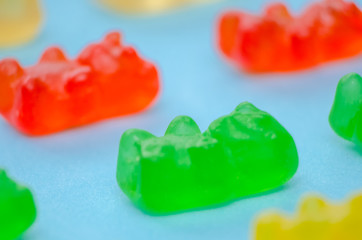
(277, 41)
(106, 80)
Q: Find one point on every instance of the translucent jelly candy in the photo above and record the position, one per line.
(17, 208)
(243, 153)
(106, 80)
(19, 21)
(346, 114)
(277, 41)
(315, 220)
(147, 5)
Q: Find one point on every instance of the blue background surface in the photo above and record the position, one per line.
(72, 174)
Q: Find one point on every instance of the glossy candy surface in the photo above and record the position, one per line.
(278, 41)
(17, 208)
(243, 153)
(106, 80)
(346, 114)
(316, 219)
(19, 21)
(144, 6)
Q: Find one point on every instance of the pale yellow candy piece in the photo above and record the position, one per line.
(316, 219)
(143, 6)
(19, 21)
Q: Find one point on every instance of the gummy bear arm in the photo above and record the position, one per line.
(183, 126)
(129, 161)
(10, 73)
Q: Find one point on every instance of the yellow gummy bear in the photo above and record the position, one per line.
(142, 6)
(19, 21)
(316, 219)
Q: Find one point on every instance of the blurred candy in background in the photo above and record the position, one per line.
(316, 219)
(142, 6)
(278, 41)
(20, 20)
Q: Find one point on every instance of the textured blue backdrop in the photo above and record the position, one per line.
(72, 174)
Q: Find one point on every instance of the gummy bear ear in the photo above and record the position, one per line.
(113, 38)
(278, 10)
(246, 107)
(129, 140)
(183, 126)
(10, 68)
(228, 31)
(312, 205)
(53, 54)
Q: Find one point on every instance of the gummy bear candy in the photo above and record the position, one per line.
(277, 41)
(19, 21)
(17, 208)
(106, 80)
(136, 6)
(346, 114)
(316, 220)
(243, 153)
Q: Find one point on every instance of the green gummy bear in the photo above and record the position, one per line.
(243, 153)
(346, 114)
(17, 208)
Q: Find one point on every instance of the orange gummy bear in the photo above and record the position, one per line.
(106, 80)
(277, 41)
